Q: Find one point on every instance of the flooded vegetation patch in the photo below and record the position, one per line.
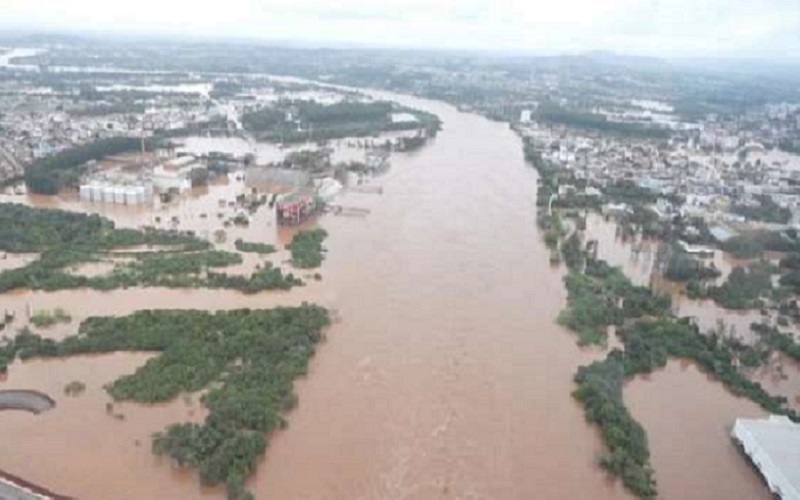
(67, 239)
(43, 318)
(601, 296)
(31, 401)
(648, 345)
(755, 243)
(682, 267)
(306, 248)
(16, 260)
(247, 358)
(299, 121)
(249, 247)
(95, 269)
(74, 388)
(745, 288)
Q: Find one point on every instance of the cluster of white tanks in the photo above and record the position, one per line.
(119, 194)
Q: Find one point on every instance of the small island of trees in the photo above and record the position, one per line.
(306, 248)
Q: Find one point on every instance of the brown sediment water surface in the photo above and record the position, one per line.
(446, 377)
(688, 417)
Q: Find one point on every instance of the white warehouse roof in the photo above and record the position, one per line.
(773, 445)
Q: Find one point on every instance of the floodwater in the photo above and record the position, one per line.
(446, 377)
(81, 449)
(688, 417)
(637, 257)
(343, 150)
(781, 377)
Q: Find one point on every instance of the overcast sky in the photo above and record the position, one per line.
(727, 28)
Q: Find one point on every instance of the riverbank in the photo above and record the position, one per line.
(602, 296)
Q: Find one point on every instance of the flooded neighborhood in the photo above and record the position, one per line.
(352, 279)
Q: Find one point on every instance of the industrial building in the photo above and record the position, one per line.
(116, 192)
(773, 445)
(177, 174)
(133, 182)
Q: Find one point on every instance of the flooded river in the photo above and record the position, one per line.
(446, 377)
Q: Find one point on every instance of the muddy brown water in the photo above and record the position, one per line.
(687, 417)
(447, 376)
(637, 258)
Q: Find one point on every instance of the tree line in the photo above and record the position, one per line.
(65, 168)
(66, 239)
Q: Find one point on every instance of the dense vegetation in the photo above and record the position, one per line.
(43, 318)
(747, 246)
(246, 246)
(602, 296)
(306, 248)
(550, 112)
(683, 267)
(777, 340)
(600, 391)
(292, 121)
(49, 175)
(744, 288)
(247, 358)
(26, 229)
(67, 239)
(766, 210)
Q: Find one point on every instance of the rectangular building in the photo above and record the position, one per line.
(773, 445)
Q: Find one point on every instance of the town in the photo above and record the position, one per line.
(460, 227)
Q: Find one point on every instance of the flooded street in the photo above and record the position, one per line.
(446, 377)
(637, 258)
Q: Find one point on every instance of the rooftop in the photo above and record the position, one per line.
(773, 445)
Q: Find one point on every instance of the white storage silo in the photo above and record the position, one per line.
(108, 193)
(95, 192)
(119, 194)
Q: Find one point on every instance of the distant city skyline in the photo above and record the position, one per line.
(767, 29)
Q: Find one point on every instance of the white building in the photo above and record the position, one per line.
(773, 444)
(107, 191)
(166, 180)
(175, 174)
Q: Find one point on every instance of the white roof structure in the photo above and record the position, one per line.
(773, 445)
